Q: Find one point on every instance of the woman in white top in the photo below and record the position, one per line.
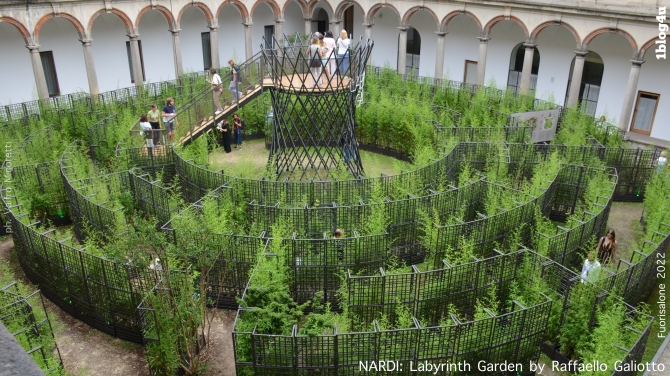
(343, 52)
(329, 47)
(662, 160)
(146, 127)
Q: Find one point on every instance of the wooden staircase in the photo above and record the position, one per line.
(210, 122)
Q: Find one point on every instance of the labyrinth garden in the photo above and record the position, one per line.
(473, 255)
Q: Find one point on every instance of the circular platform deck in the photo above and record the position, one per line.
(298, 83)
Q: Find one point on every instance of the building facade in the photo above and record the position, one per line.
(615, 49)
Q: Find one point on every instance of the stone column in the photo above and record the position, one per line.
(247, 40)
(90, 67)
(335, 27)
(402, 50)
(481, 63)
(308, 25)
(368, 35)
(576, 81)
(279, 32)
(214, 46)
(439, 55)
(629, 98)
(176, 53)
(38, 71)
(526, 71)
(135, 59)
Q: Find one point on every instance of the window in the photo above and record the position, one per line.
(348, 21)
(206, 50)
(130, 61)
(50, 75)
(645, 111)
(516, 67)
(269, 33)
(589, 88)
(470, 74)
(413, 51)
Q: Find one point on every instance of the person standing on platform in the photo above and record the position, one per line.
(146, 128)
(315, 66)
(217, 89)
(329, 47)
(154, 119)
(343, 44)
(169, 118)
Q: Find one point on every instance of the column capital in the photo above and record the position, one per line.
(530, 45)
(86, 42)
(368, 26)
(175, 31)
(441, 33)
(637, 62)
(403, 28)
(212, 28)
(33, 47)
(247, 24)
(279, 20)
(307, 19)
(133, 36)
(483, 39)
(581, 53)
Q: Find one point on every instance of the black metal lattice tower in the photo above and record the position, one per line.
(314, 125)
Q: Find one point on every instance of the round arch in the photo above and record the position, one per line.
(205, 10)
(536, 32)
(413, 10)
(447, 19)
(127, 23)
(303, 6)
(22, 29)
(164, 11)
(73, 20)
(341, 7)
(276, 10)
(604, 30)
(326, 5)
(376, 8)
(495, 20)
(645, 47)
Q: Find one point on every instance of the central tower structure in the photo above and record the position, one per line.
(314, 101)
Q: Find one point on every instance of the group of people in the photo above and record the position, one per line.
(322, 57)
(217, 85)
(150, 123)
(224, 128)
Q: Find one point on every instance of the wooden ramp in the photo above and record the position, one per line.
(209, 122)
(293, 83)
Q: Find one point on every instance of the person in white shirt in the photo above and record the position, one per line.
(329, 56)
(662, 160)
(217, 89)
(591, 268)
(343, 43)
(146, 127)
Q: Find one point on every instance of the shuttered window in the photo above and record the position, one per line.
(130, 61)
(49, 67)
(206, 50)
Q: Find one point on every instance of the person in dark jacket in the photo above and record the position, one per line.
(224, 128)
